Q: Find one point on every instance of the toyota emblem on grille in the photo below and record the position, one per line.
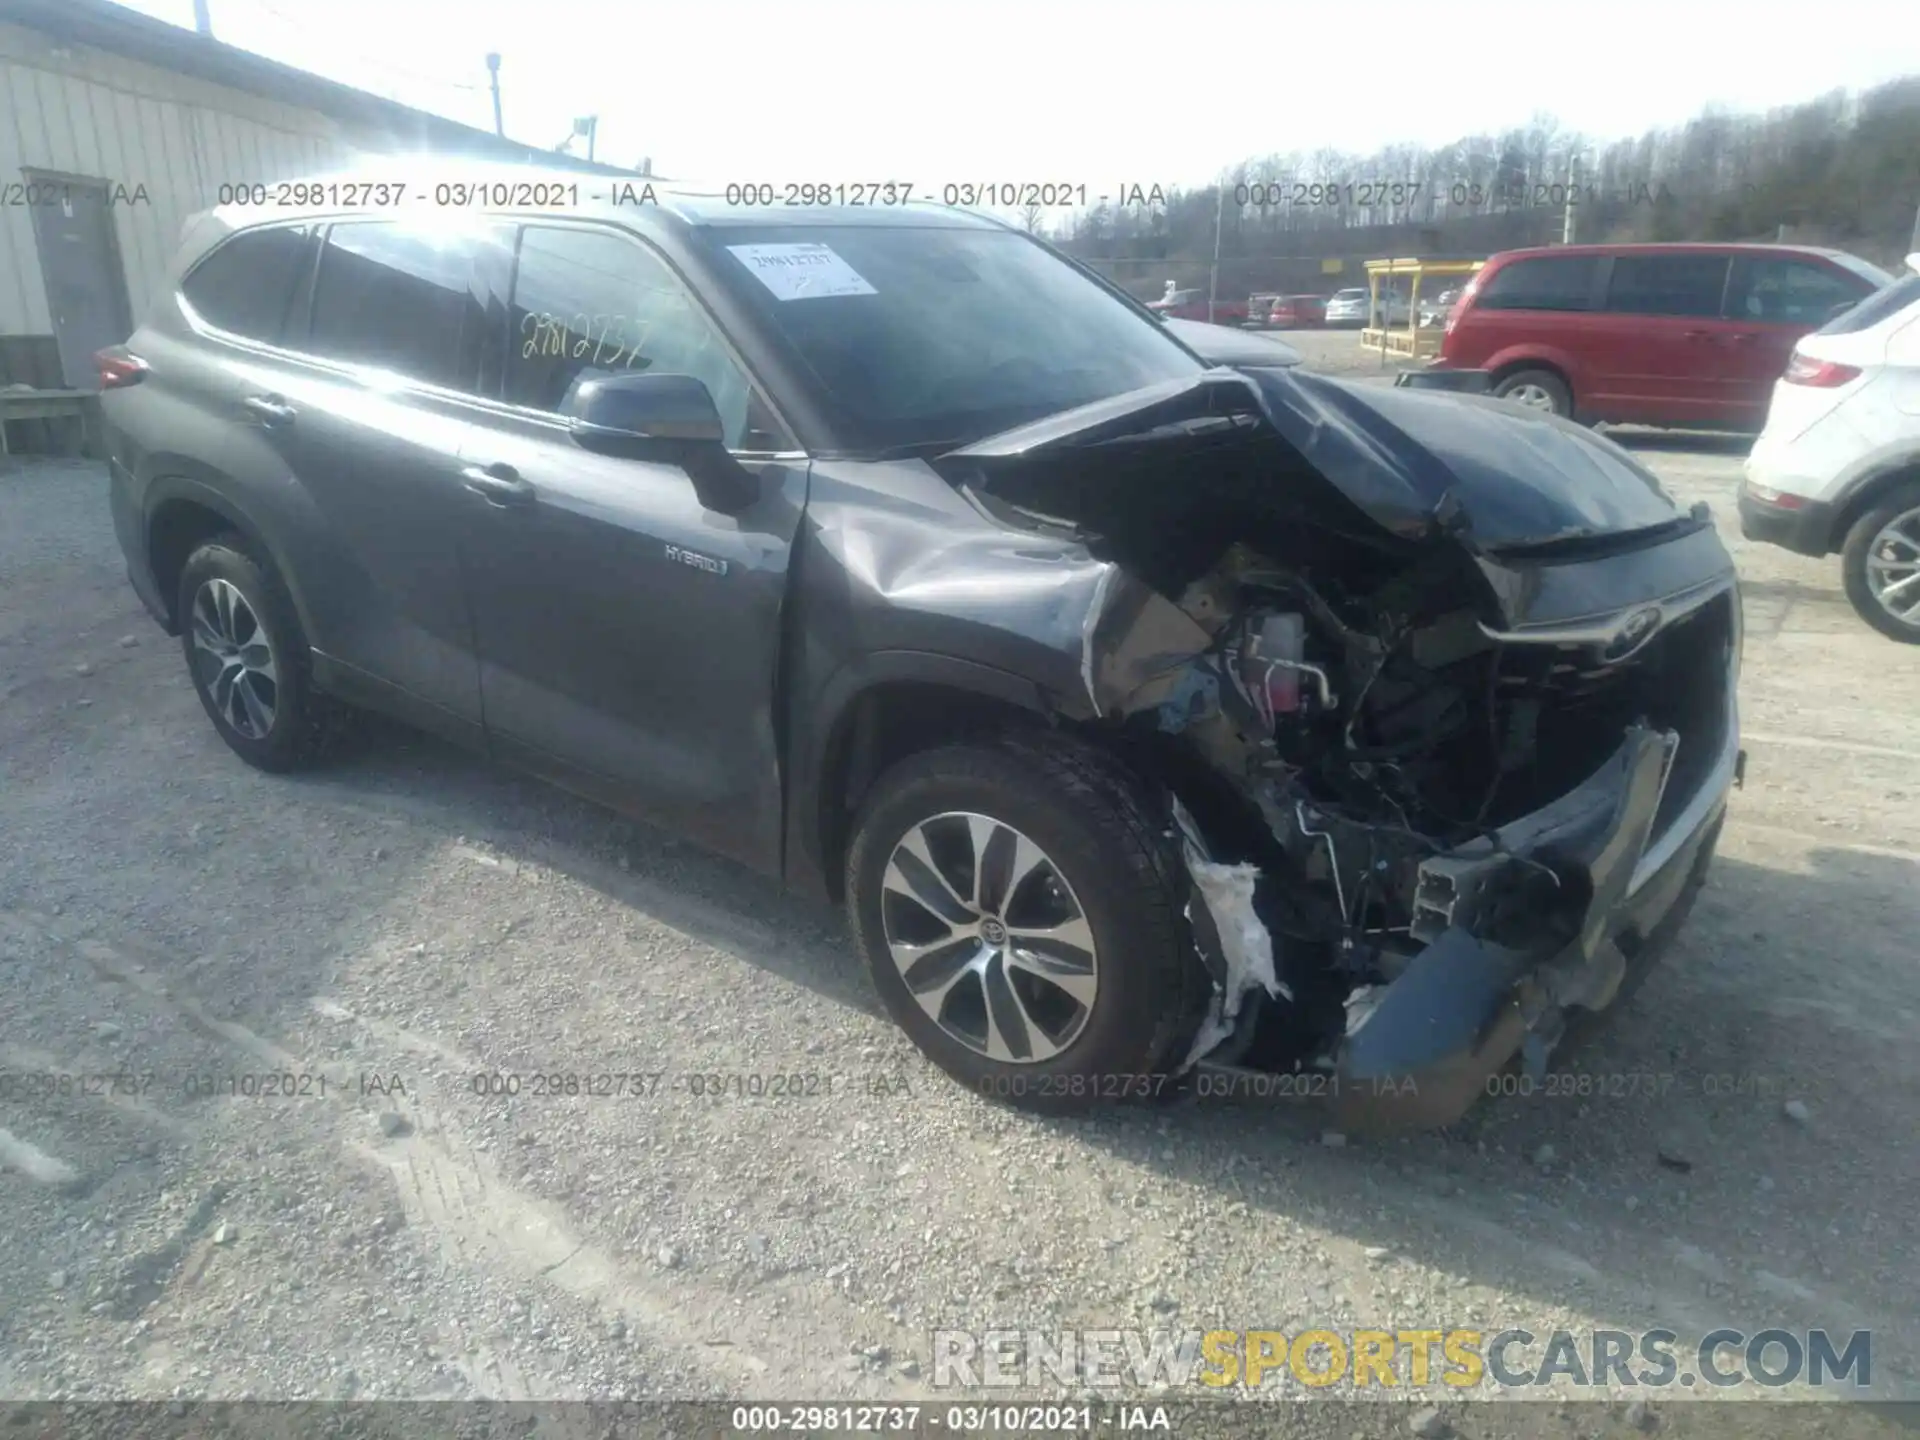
(1634, 632)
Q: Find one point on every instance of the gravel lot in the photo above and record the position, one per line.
(1337, 352)
(410, 918)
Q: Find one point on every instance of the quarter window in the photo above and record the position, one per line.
(248, 283)
(1789, 292)
(394, 296)
(589, 303)
(1888, 300)
(1689, 285)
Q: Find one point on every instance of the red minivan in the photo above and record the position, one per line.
(1687, 336)
(1290, 312)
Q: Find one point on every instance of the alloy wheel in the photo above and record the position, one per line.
(233, 659)
(989, 938)
(1534, 397)
(1893, 568)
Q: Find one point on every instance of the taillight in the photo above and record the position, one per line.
(118, 367)
(1821, 374)
(1766, 495)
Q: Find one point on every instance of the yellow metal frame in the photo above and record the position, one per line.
(1413, 343)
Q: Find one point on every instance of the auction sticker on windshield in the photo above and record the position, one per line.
(801, 271)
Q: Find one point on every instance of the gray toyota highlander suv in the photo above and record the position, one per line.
(1153, 717)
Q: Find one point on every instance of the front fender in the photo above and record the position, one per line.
(822, 726)
(898, 578)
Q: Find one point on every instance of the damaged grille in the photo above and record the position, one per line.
(1426, 776)
(1572, 705)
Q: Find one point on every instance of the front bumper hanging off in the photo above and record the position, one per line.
(1427, 1044)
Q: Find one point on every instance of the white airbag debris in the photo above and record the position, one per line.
(1245, 944)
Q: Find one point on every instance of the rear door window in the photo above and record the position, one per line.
(1789, 292)
(1542, 282)
(397, 297)
(1686, 285)
(248, 283)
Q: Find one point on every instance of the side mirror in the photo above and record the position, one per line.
(668, 418)
(623, 413)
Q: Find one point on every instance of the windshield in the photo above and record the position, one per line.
(936, 337)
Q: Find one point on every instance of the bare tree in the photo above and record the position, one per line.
(1841, 170)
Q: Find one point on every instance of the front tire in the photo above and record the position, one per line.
(1880, 564)
(1019, 908)
(1536, 390)
(248, 659)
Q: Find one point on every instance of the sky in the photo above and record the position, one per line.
(932, 92)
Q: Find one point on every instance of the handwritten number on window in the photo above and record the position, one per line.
(600, 340)
(544, 335)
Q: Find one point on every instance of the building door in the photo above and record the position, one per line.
(80, 262)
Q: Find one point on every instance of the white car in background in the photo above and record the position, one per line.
(1348, 308)
(1837, 468)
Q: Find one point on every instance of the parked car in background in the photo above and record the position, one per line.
(1296, 312)
(1192, 305)
(1686, 335)
(1347, 309)
(1350, 308)
(1178, 303)
(1030, 639)
(1837, 467)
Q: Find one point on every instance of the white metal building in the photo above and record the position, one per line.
(115, 128)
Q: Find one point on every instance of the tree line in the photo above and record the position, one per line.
(1842, 170)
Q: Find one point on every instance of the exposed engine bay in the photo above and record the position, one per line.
(1363, 753)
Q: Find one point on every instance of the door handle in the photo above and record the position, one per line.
(271, 409)
(1696, 335)
(498, 485)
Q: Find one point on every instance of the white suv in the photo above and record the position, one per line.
(1838, 466)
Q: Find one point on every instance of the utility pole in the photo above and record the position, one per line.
(202, 19)
(1219, 216)
(1573, 186)
(493, 79)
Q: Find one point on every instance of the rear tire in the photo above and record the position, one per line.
(1536, 390)
(1876, 552)
(248, 658)
(1081, 838)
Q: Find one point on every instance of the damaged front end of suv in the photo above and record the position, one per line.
(1442, 694)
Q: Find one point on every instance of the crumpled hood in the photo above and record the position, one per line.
(1418, 463)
